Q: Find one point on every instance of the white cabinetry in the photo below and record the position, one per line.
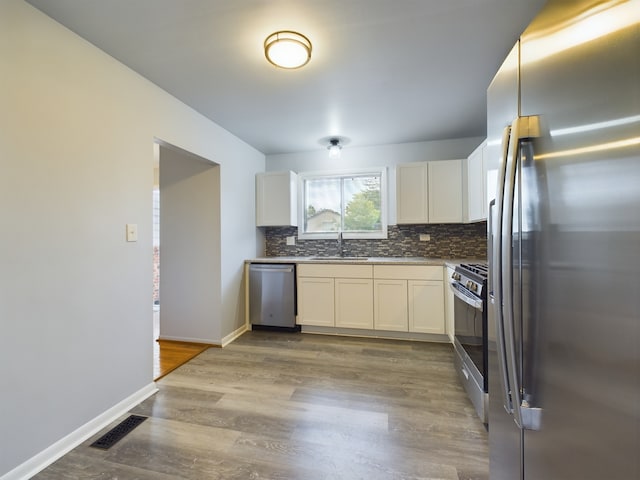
(408, 298)
(335, 295)
(476, 181)
(276, 197)
(316, 301)
(426, 306)
(448, 302)
(390, 309)
(445, 191)
(396, 298)
(411, 193)
(354, 302)
(429, 192)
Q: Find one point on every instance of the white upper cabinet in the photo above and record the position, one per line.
(276, 199)
(445, 191)
(429, 192)
(476, 180)
(411, 193)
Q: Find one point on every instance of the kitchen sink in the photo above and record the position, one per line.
(346, 259)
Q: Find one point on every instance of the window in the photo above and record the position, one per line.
(351, 203)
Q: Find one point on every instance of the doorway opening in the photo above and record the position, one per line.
(156, 257)
(186, 221)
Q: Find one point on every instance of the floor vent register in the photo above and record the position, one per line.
(118, 432)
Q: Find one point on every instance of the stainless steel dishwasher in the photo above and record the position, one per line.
(272, 295)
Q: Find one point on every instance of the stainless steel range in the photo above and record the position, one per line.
(469, 285)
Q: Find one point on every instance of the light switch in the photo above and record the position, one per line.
(425, 237)
(291, 240)
(132, 232)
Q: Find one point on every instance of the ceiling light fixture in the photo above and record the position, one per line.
(334, 148)
(287, 49)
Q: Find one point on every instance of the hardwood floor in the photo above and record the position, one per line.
(299, 406)
(169, 355)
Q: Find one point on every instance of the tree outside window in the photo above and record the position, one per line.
(352, 204)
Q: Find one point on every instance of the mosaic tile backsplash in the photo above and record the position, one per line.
(447, 241)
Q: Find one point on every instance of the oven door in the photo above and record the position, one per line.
(468, 310)
(469, 342)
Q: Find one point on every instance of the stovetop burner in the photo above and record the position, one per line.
(472, 277)
(480, 270)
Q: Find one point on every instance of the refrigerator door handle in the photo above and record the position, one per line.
(531, 417)
(495, 287)
(521, 129)
(507, 270)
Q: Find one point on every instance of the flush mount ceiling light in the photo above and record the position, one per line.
(334, 148)
(287, 49)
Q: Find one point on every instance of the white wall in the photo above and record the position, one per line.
(77, 131)
(377, 156)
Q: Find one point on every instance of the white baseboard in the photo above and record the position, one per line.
(52, 453)
(204, 341)
(234, 335)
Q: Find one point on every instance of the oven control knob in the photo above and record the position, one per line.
(469, 284)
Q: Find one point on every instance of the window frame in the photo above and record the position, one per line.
(378, 234)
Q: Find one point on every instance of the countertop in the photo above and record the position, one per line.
(452, 262)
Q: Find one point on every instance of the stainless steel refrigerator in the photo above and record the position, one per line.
(564, 325)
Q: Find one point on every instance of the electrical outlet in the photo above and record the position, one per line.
(425, 237)
(291, 240)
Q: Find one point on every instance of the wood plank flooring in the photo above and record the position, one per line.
(283, 406)
(169, 355)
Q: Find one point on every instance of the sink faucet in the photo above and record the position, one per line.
(340, 243)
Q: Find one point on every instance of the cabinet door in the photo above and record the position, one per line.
(316, 301)
(390, 311)
(354, 302)
(426, 306)
(411, 193)
(448, 302)
(276, 194)
(476, 210)
(445, 191)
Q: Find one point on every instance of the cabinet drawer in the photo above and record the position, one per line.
(407, 272)
(335, 271)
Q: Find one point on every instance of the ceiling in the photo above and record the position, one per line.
(382, 71)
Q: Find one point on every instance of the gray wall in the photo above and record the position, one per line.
(77, 133)
(190, 248)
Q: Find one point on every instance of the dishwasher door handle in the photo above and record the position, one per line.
(271, 268)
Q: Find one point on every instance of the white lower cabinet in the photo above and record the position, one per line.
(395, 298)
(354, 302)
(316, 301)
(409, 298)
(390, 310)
(426, 306)
(332, 295)
(448, 302)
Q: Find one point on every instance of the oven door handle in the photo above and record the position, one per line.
(475, 303)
